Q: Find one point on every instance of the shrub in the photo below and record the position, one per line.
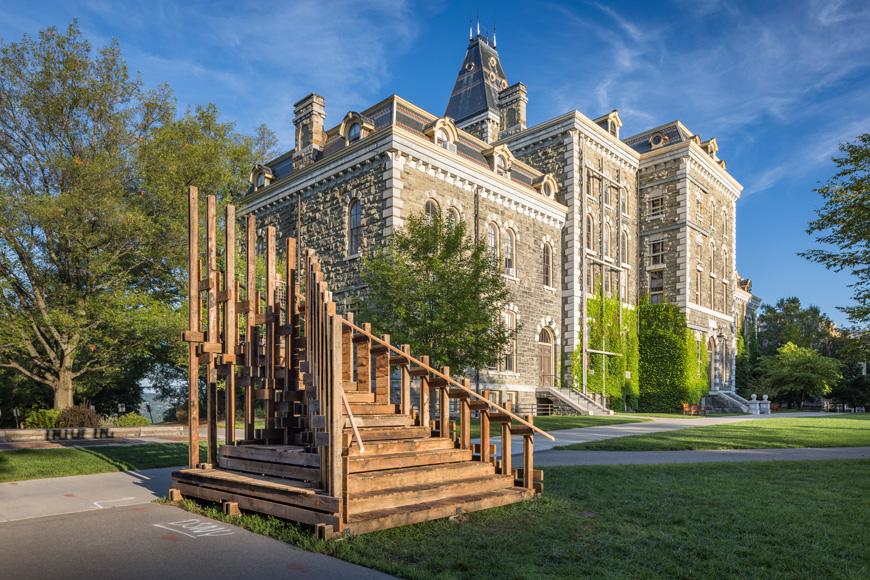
(41, 419)
(131, 419)
(78, 416)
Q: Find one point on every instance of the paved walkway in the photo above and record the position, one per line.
(557, 457)
(155, 541)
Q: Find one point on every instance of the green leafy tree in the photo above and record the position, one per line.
(852, 349)
(843, 223)
(796, 373)
(788, 321)
(93, 171)
(435, 288)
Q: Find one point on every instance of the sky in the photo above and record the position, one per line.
(779, 84)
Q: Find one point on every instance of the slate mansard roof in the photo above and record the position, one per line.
(478, 83)
(673, 132)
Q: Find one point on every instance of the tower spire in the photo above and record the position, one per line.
(478, 24)
(470, 28)
(493, 32)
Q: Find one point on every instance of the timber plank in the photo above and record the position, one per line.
(261, 506)
(274, 469)
(414, 459)
(389, 433)
(286, 454)
(403, 446)
(391, 478)
(381, 421)
(425, 493)
(373, 408)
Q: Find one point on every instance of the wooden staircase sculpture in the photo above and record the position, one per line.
(335, 452)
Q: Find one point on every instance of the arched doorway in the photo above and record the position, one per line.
(546, 358)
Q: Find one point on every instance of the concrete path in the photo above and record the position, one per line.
(154, 541)
(21, 500)
(655, 425)
(557, 457)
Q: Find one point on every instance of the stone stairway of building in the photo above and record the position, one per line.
(575, 400)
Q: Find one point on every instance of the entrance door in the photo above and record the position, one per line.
(546, 374)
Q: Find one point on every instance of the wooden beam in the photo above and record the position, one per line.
(212, 332)
(404, 384)
(425, 391)
(444, 407)
(193, 325)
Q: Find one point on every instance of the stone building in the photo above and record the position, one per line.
(567, 204)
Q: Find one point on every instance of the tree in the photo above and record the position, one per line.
(843, 223)
(788, 321)
(93, 173)
(436, 289)
(796, 373)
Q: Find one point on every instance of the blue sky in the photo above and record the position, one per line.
(779, 84)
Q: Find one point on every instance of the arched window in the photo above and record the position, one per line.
(712, 259)
(607, 248)
(492, 239)
(500, 165)
(509, 252)
(354, 227)
(261, 179)
(431, 209)
(453, 217)
(509, 319)
(353, 134)
(590, 233)
(547, 265)
(623, 248)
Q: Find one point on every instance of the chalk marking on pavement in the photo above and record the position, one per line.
(196, 528)
(100, 503)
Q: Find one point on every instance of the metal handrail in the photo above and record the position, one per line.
(447, 378)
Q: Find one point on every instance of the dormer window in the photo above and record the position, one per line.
(501, 166)
(547, 189)
(261, 180)
(441, 138)
(353, 134)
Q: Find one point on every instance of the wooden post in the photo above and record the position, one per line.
(212, 331)
(444, 407)
(270, 331)
(405, 384)
(382, 374)
(193, 325)
(250, 317)
(465, 419)
(528, 457)
(363, 363)
(423, 417)
(336, 415)
(347, 355)
(506, 467)
(231, 328)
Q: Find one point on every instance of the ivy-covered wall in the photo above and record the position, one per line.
(605, 334)
(670, 371)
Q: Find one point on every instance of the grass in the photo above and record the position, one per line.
(22, 464)
(676, 415)
(557, 422)
(841, 431)
(782, 520)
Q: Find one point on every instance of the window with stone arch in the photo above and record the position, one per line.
(492, 240)
(354, 133)
(431, 208)
(509, 319)
(547, 265)
(441, 138)
(623, 247)
(510, 252)
(453, 217)
(354, 227)
(607, 238)
(501, 165)
(712, 259)
(725, 223)
(590, 232)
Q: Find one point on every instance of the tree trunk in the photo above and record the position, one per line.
(63, 392)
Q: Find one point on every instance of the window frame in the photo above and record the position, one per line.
(656, 295)
(547, 265)
(354, 230)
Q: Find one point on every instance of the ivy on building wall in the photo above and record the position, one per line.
(670, 371)
(605, 334)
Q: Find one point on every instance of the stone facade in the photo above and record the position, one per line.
(648, 215)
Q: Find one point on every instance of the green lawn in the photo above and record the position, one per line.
(676, 415)
(24, 464)
(838, 431)
(557, 422)
(782, 520)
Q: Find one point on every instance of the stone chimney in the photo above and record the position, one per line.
(308, 117)
(512, 109)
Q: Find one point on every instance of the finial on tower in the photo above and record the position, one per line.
(493, 32)
(470, 28)
(478, 24)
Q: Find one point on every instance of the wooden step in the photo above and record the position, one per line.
(402, 446)
(287, 454)
(359, 397)
(390, 518)
(366, 462)
(390, 433)
(381, 421)
(373, 409)
(424, 493)
(392, 478)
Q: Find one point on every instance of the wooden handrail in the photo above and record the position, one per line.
(445, 377)
(356, 435)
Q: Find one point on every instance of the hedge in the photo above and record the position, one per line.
(669, 371)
